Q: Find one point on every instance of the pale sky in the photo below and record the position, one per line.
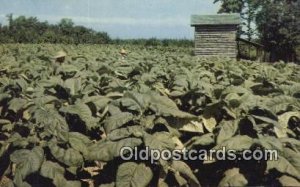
(119, 18)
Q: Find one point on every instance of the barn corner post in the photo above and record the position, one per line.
(215, 35)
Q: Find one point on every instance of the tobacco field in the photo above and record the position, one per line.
(64, 125)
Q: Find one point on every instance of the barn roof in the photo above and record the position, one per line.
(219, 19)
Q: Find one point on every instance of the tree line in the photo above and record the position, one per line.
(155, 42)
(30, 30)
(273, 23)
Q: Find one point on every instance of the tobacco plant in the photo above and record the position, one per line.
(65, 126)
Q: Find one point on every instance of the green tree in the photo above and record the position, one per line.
(275, 22)
(30, 30)
(247, 10)
(66, 23)
(279, 27)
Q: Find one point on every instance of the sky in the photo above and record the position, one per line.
(123, 19)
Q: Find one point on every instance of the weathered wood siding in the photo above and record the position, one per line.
(216, 40)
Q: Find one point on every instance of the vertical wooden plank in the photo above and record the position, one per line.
(214, 40)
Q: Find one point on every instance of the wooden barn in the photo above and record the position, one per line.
(215, 35)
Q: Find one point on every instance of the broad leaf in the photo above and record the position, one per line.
(159, 141)
(27, 162)
(233, 177)
(227, 130)
(51, 169)
(117, 121)
(108, 150)
(209, 123)
(288, 181)
(70, 156)
(185, 171)
(133, 175)
(238, 143)
(83, 111)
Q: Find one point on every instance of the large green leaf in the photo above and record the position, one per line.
(227, 130)
(186, 125)
(159, 141)
(99, 101)
(269, 143)
(51, 169)
(52, 122)
(27, 162)
(200, 141)
(283, 122)
(74, 85)
(185, 171)
(288, 163)
(17, 104)
(164, 106)
(56, 172)
(60, 181)
(193, 126)
(135, 101)
(233, 177)
(133, 175)
(70, 156)
(288, 181)
(108, 150)
(83, 111)
(292, 143)
(238, 143)
(281, 103)
(130, 131)
(79, 142)
(117, 121)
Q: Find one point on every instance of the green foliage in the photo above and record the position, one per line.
(154, 42)
(31, 30)
(66, 126)
(274, 22)
(132, 174)
(247, 10)
(233, 178)
(278, 25)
